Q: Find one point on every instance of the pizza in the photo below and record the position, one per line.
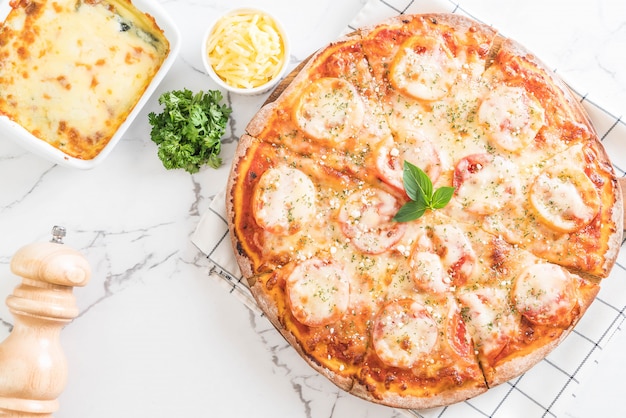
(436, 309)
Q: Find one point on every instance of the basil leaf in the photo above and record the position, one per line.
(419, 188)
(411, 210)
(441, 197)
(416, 182)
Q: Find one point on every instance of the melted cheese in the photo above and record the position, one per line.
(453, 259)
(449, 124)
(424, 69)
(428, 272)
(404, 332)
(318, 292)
(489, 318)
(284, 200)
(565, 198)
(75, 81)
(489, 186)
(544, 292)
(512, 117)
(455, 250)
(391, 156)
(366, 219)
(330, 109)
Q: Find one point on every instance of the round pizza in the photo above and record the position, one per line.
(424, 212)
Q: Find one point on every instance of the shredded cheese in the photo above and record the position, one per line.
(246, 49)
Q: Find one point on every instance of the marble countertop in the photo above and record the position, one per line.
(155, 336)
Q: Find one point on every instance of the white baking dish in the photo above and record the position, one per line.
(14, 131)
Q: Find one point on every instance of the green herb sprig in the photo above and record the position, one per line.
(419, 188)
(189, 130)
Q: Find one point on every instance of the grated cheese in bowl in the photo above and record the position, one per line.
(246, 51)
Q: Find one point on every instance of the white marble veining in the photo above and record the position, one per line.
(155, 336)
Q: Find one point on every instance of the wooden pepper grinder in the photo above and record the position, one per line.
(33, 368)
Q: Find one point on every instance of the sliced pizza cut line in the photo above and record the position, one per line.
(565, 121)
(492, 323)
(505, 119)
(518, 305)
(513, 331)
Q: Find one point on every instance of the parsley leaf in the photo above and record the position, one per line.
(419, 188)
(189, 130)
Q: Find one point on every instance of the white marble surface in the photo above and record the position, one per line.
(155, 336)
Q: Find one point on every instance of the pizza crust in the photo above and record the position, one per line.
(437, 400)
(621, 190)
(245, 263)
(617, 218)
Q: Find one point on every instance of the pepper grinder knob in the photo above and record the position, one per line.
(58, 233)
(33, 367)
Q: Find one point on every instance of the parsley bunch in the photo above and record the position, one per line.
(189, 130)
(419, 188)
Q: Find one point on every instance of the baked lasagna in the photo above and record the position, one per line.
(72, 70)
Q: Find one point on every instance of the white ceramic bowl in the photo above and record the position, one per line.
(14, 131)
(284, 63)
